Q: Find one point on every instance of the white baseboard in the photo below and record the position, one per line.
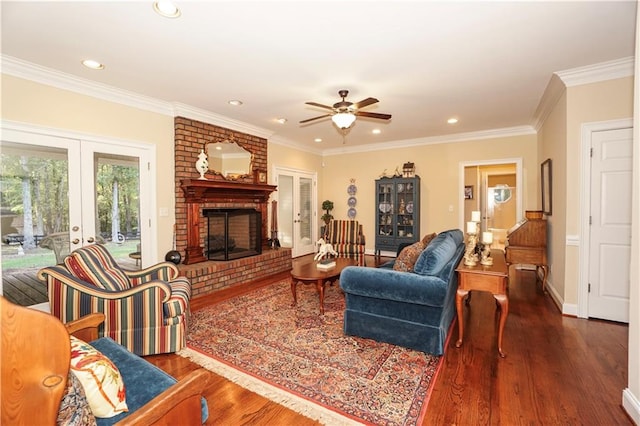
(631, 404)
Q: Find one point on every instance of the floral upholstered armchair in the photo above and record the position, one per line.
(347, 239)
(147, 310)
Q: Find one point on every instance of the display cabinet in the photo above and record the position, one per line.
(397, 212)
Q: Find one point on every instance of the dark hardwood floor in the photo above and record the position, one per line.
(558, 370)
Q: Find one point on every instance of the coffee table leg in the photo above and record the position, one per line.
(320, 288)
(293, 291)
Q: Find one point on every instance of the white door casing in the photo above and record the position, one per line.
(610, 231)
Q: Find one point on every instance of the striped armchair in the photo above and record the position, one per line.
(147, 311)
(347, 239)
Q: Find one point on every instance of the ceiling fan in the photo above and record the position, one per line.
(344, 113)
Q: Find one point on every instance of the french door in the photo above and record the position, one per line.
(297, 210)
(60, 193)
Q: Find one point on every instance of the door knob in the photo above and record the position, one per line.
(90, 240)
(75, 241)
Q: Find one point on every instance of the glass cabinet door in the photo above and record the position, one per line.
(385, 197)
(405, 201)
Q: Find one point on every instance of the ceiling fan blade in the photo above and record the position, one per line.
(315, 118)
(365, 102)
(319, 105)
(373, 115)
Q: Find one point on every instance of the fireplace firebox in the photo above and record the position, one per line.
(232, 233)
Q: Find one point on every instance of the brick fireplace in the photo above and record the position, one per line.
(194, 195)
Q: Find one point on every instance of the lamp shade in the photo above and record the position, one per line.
(343, 120)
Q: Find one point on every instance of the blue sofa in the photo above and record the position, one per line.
(409, 309)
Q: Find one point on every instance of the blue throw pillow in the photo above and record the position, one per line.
(437, 254)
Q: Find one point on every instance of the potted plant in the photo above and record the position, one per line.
(327, 206)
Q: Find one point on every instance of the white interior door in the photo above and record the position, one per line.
(610, 231)
(296, 210)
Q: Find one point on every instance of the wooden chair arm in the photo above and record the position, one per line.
(86, 328)
(179, 404)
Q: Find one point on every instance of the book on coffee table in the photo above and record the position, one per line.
(326, 264)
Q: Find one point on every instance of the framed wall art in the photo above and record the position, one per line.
(546, 185)
(468, 192)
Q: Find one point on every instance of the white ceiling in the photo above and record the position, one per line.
(484, 62)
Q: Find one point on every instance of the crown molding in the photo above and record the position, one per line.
(434, 140)
(33, 72)
(183, 110)
(550, 97)
(595, 73)
(39, 74)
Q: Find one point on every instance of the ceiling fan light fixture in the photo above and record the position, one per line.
(343, 120)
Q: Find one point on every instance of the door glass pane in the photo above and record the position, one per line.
(285, 210)
(34, 202)
(117, 207)
(305, 187)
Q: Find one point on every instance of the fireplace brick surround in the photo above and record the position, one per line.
(208, 276)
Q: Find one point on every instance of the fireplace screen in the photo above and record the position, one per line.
(232, 233)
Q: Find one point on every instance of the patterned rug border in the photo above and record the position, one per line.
(267, 390)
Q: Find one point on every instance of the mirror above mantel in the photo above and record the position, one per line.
(229, 160)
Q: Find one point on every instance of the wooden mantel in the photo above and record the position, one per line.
(197, 191)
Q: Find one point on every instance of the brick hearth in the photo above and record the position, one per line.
(207, 277)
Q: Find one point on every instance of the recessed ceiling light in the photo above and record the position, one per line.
(376, 131)
(452, 120)
(317, 140)
(94, 65)
(281, 120)
(166, 9)
(235, 102)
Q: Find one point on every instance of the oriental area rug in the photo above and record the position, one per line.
(298, 358)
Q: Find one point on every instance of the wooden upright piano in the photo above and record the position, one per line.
(527, 244)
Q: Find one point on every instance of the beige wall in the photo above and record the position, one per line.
(560, 140)
(603, 101)
(37, 104)
(285, 156)
(553, 145)
(438, 167)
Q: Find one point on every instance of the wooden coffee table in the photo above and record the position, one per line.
(308, 273)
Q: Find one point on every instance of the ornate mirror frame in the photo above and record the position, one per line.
(239, 160)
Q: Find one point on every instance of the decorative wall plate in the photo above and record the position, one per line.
(352, 189)
(351, 213)
(385, 207)
(352, 201)
(409, 207)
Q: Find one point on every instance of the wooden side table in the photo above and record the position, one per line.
(494, 279)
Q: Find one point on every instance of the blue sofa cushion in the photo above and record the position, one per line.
(437, 254)
(143, 381)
